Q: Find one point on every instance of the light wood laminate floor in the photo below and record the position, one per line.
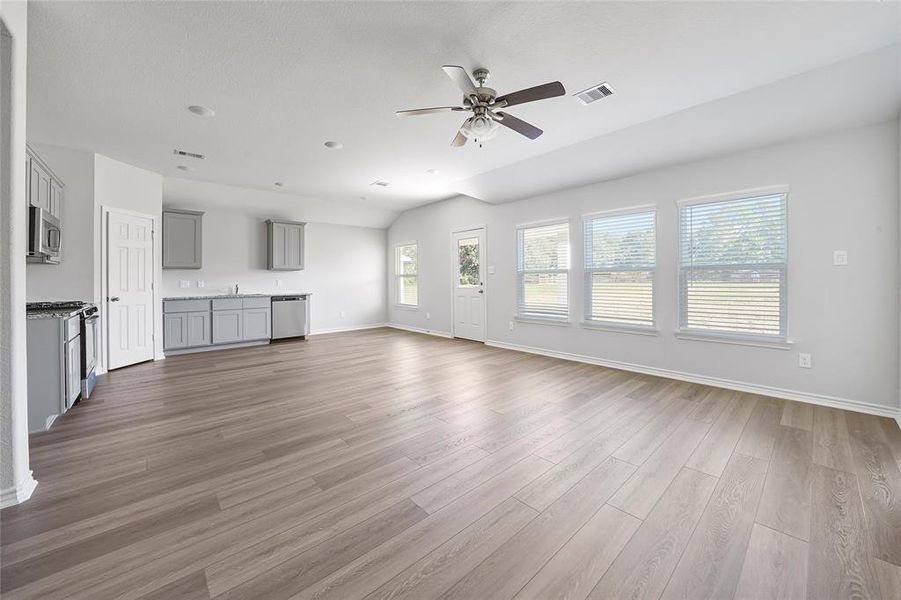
(385, 464)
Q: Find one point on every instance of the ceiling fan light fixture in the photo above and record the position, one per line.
(480, 128)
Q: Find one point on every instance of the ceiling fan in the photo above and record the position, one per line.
(484, 104)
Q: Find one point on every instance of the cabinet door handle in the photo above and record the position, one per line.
(114, 299)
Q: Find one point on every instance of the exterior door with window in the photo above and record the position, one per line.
(469, 284)
(129, 306)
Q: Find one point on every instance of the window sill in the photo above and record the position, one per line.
(738, 341)
(406, 307)
(649, 331)
(540, 321)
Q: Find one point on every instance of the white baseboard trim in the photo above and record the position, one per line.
(18, 494)
(740, 386)
(352, 328)
(443, 334)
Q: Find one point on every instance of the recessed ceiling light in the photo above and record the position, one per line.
(334, 145)
(203, 111)
(380, 183)
(184, 168)
(279, 184)
(433, 171)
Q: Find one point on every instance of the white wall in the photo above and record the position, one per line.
(122, 186)
(16, 482)
(73, 278)
(844, 195)
(344, 264)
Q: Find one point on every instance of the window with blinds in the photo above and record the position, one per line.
(406, 274)
(732, 259)
(543, 271)
(620, 260)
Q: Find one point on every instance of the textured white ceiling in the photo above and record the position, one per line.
(116, 78)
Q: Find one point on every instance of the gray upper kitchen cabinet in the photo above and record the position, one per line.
(286, 241)
(182, 239)
(228, 326)
(257, 324)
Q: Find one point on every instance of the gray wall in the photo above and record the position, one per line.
(344, 264)
(844, 195)
(73, 278)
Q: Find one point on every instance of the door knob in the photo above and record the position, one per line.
(114, 299)
(481, 291)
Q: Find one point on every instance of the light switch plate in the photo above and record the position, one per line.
(184, 283)
(279, 283)
(491, 269)
(428, 316)
(840, 258)
(201, 283)
(804, 360)
(511, 325)
(342, 314)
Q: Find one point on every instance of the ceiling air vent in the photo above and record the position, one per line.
(380, 183)
(178, 152)
(595, 93)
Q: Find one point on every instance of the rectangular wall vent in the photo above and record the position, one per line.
(380, 183)
(595, 93)
(178, 152)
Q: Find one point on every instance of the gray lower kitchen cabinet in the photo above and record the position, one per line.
(285, 249)
(228, 326)
(175, 330)
(182, 239)
(257, 324)
(200, 331)
(54, 373)
(195, 324)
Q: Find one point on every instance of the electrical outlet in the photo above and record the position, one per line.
(201, 283)
(804, 360)
(840, 258)
(511, 325)
(279, 283)
(428, 316)
(342, 314)
(184, 283)
(491, 269)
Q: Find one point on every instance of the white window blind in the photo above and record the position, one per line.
(733, 267)
(406, 273)
(543, 271)
(620, 260)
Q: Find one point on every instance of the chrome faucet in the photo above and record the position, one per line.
(236, 289)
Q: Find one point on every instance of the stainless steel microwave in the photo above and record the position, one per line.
(44, 236)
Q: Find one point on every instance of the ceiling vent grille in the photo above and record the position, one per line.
(380, 183)
(593, 94)
(178, 152)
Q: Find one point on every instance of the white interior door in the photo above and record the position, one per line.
(129, 291)
(469, 284)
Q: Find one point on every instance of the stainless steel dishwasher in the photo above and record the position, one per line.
(290, 316)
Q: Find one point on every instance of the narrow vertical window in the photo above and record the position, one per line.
(406, 274)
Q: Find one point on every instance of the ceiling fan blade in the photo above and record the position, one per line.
(428, 111)
(459, 140)
(461, 78)
(539, 92)
(517, 125)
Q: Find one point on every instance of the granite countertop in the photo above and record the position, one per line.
(215, 296)
(53, 314)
